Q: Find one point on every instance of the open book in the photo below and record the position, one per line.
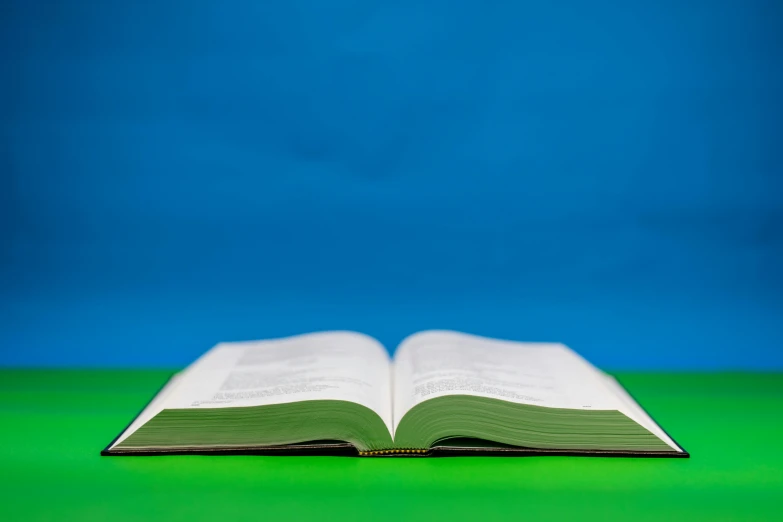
(442, 393)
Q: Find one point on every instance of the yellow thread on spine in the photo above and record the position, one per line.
(392, 451)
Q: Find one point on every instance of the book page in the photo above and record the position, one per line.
(343, 366)
(438, 363)
(637, 413)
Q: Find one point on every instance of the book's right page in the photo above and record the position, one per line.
(434, 364)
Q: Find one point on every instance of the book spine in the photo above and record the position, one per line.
(391, 452)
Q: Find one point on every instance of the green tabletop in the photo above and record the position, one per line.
(53, 424)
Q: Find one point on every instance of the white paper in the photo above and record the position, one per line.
(438, 363)
(343, 366)
(354, 367)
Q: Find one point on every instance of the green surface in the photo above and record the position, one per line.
(54, 423)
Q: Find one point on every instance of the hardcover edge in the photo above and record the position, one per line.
(347, 449)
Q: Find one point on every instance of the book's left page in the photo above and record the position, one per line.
(321, 386)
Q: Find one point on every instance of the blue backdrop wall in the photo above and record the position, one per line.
(607, 174)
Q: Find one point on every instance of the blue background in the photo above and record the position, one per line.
(606, 174)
